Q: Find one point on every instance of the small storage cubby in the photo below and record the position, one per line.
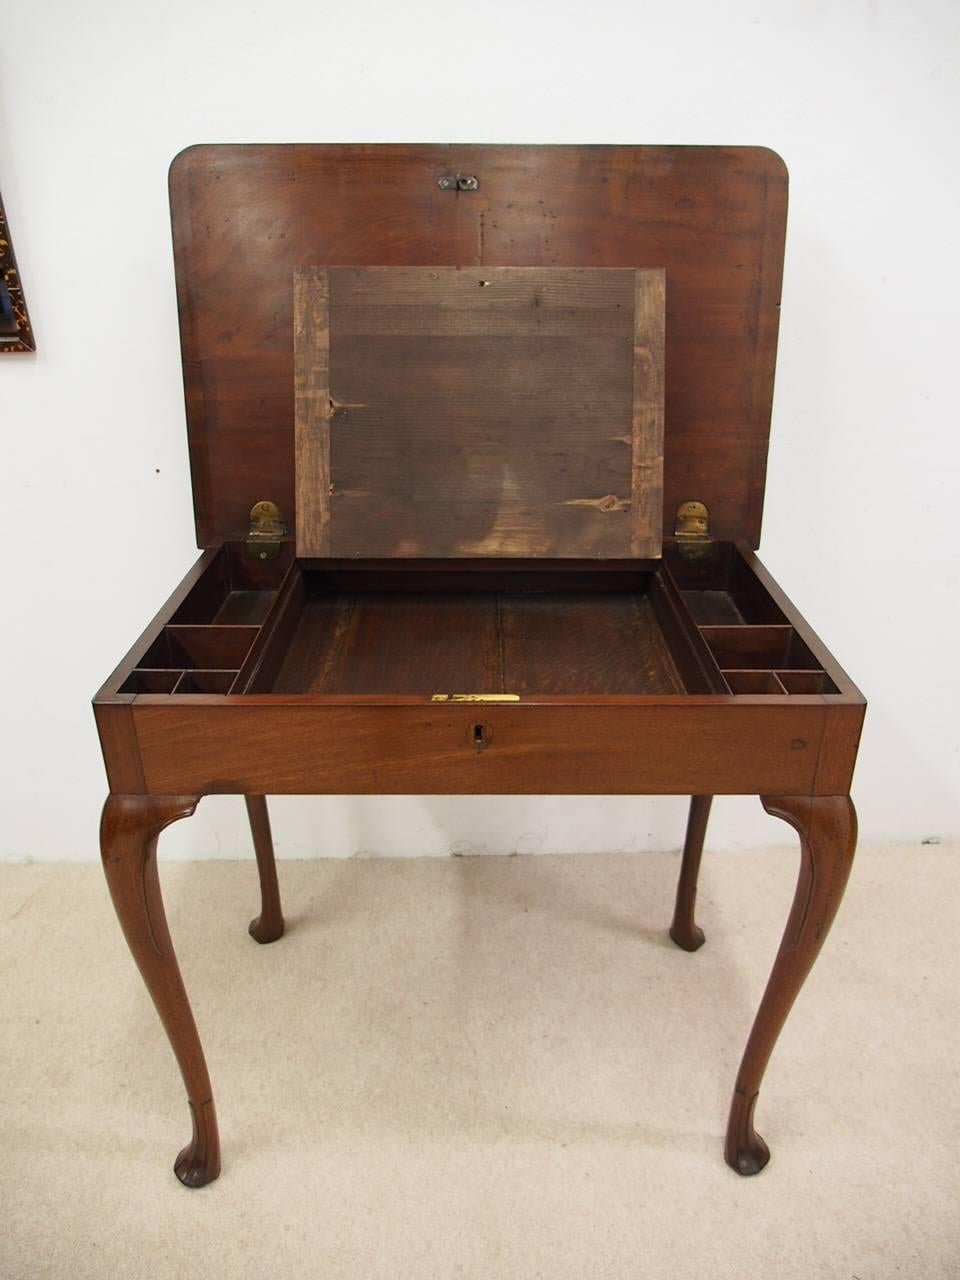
(236, 589)
(192, 659)
(753, 682)
(719, 588)
(206, 682)
(219, 648)
(753, 648)
(142, 680)
(147, 680)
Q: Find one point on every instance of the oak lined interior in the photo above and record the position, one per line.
(426, 643)
(706, 625)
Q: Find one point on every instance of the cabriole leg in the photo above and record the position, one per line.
(268, 925)
(827, 826)
(128, 841)
(685, 932)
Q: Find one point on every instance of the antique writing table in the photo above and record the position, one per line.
(478, 441)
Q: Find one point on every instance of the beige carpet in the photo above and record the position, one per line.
(483, 1068)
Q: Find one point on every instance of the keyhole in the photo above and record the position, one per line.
(479, 736)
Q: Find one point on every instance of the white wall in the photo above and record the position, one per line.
(861, 99)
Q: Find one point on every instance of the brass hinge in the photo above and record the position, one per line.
(265, 536)
(692, 530)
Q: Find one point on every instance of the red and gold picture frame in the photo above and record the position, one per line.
(16, 333)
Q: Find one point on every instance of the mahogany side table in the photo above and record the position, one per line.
(478, 443)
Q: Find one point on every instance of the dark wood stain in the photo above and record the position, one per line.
(245, 216)
(414, 643)
(420, 643)
(584, 644)
(633, 676)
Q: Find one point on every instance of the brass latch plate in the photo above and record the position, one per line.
(475, 697)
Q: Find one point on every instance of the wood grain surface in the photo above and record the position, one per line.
(413, 643)
(423, 643)
(311, 343)
(129, 829)
(245, 216)
(555, 644)
(508, 412)
(827, 827)
(714, 747)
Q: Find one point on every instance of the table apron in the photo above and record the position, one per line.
(519, 750)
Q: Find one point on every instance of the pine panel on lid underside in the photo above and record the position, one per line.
(444, 412)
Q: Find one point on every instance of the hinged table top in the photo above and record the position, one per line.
(246, 217)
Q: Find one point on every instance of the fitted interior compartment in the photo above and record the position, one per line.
(143, 680)
(151, 681)
(206, 682)
(720, 589)
(754, 682)
(750, 640)
(770, 647)
(806, 682)
(200, 648)
(367, 628)
(212, 640)
(235, 589)
(747, 680)
(510, 632)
